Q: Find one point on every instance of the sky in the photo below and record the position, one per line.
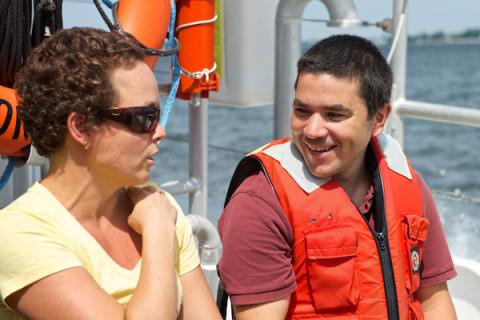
(423, 16)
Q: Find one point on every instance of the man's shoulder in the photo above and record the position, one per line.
(424, 189)
(255, 205)
(254, 194)
(256, 184)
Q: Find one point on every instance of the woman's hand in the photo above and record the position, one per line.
(151, 209)
(154, 217)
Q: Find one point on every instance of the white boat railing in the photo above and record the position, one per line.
(438, 112)
(402, 107)
(464, 289)
(209, 247)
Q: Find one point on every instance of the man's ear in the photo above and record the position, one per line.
(77, 127)
(381, 118)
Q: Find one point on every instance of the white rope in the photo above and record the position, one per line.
(205, 72)
(199, 74)
(396, 37)
(456, 194)
(196, 23)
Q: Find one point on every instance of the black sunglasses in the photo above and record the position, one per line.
(138, 119)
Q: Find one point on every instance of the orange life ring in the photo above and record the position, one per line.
(147, 20)
(13, 138)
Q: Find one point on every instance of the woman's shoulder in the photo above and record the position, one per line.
(24, 208)
(37, 204)
(34, 216)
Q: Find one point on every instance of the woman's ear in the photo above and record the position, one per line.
(381, 118)
(77, 127)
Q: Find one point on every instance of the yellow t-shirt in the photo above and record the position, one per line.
(39, 237)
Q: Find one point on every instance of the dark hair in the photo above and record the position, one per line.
(70, 72)
(348, 56)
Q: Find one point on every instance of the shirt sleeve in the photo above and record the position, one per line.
(187, 254)
(437, 262)
(256, 264)
(30, 249)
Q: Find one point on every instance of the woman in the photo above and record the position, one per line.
(83, 243)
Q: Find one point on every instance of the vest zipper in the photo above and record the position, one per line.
(381, 240)
(387, 271)
(388, 278)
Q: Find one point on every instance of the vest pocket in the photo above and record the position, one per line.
(415, 232)
(332, 268)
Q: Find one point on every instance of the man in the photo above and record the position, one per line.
(334, 221)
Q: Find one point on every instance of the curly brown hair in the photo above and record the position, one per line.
(70, 72)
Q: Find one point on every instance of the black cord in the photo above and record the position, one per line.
(115, 26)
(14, 19)
(16, 43)
(104, 16)
(48, 16)
(148, 51)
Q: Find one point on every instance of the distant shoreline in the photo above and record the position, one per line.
(414, 41)
(445, 41)
(468, 36)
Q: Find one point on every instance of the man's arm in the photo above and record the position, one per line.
(275, 310)
(437, 265)
(436, 302)
(256, 267)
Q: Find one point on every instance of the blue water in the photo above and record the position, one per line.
(446, 155)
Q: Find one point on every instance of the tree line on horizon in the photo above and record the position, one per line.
(471, 33)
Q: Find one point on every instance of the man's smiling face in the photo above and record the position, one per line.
(330, 125)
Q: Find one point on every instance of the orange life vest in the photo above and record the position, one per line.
(344, 268)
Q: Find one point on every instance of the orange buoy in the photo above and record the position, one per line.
(13, 138)
(147, 20)
(197, 46)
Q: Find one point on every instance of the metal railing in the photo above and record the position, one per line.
(403, 107)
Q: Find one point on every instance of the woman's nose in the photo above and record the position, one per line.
(159, 133)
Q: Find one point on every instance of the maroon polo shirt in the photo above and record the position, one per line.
(257, 244)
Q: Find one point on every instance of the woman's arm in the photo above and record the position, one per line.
(74, 294)
(198, 303)
(156, 294)
(71, 294)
